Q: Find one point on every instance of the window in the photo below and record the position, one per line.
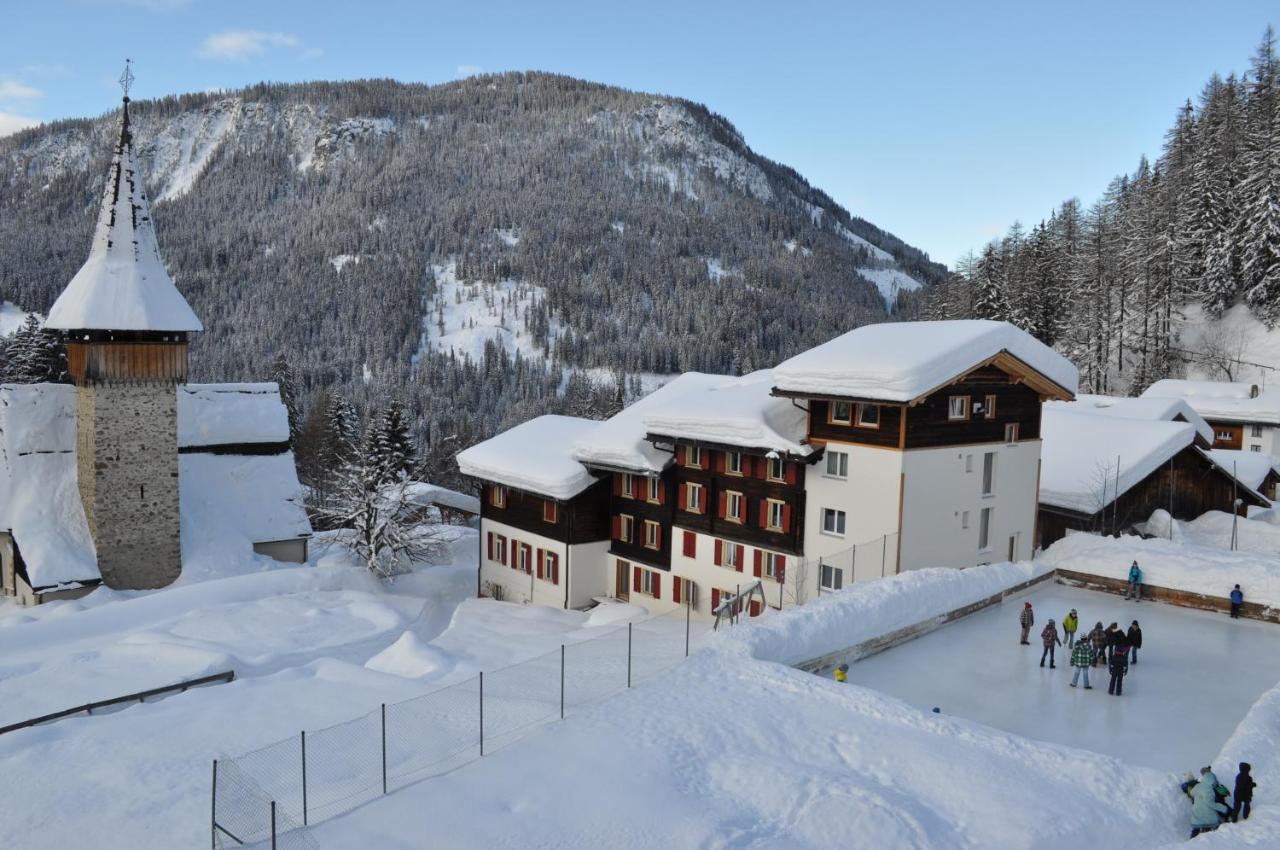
(840, 413)
(1255, 430)
(550, 511)
(968, 463)
(690, 547)
(652, 494)
(777, 469)
(832, 577)
(693, 498)
(498, 496)
(733, 506)
(1011, 432)
(652, 535)
(731, 557)
(958, 408)
(964, 519)
(626, 485)
(833, 521)
(646, 582)
(550, 566)
(989, 407)
(524, 557)
(693, 455)
(1224, 436)
(774, 515)
(774, 566)
(869, 415)
(626, 525)
(1255, 448)
(984, 530)
(988, 473)
(837, 464)
(733, 463)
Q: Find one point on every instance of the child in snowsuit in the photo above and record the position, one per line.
(1118, 664)
(1081, 660)
(842, 673)
(1237, 599)
(1026, 619)
(1206, 811)
(1098, 639)
(1070, 623)
(1135, 583)
(1243, 796)
(1135, 641)
(1050, 638)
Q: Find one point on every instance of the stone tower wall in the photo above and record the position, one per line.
(127, 454)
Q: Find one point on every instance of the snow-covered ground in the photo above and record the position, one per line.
(1237, 333)
(1197, 675)
(11, 317)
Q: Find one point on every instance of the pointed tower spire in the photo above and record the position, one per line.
(123, 286)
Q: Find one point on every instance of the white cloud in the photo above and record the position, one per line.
(312, 53)
(468, 70)
(10, 123)
(243, 44)
(11, 89)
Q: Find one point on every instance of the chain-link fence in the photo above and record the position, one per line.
(267, 798)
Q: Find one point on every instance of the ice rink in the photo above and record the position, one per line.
(1197, 675)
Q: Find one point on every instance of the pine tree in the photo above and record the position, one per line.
(393, 454)
(1258, 227)
(34, 355)
(287, 380)
(989, 293)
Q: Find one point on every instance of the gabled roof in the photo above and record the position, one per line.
(905, 361)
(123, 286)
(535, 456)
(1150, 409)
(1251, 468)
(230, 414)
(1222, 400)
(739, 412)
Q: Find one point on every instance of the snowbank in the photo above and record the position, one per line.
(535, 456)
(224, 414)
(737, 412)
(410, 657)
(867, 610)
(901, 361)
(1209, 570)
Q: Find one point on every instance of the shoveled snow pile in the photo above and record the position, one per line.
(736, 412)
(536, 456)
(1210, 570)
(900, 361)
(410, 657)
(1214, 529)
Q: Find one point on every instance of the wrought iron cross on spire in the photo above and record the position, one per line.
(126, 79)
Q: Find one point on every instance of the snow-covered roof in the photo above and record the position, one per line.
(735, 412)
(424, 493)
(1250, 468)
(902, 361)
(228, 414)
(1080, 451)
(239, 500)
(536, 456)
(1234, 402)
(123, 286)
(619, 442)
(1150, 409)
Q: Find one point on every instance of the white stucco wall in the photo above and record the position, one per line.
(941, 485)
(519, 586)
(588, 572)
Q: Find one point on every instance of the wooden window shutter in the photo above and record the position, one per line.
(538, 562)
(682, 456)
(657, 585)
(724, 504)
(719, 461)
(662, 492)
(617, 527)
(786, 516)
(490, 545)
(781, 564)
(555, 567)
(636, 579)
(719, 553)
(742, 557)
(658, 536)
(715, 599)
(505, 547)
(617, 484)
(675, 589)
(690, 544)
(791, 472)
(759, 559)
(762, 513)
(682, 500)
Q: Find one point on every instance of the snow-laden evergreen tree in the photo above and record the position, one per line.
(989, 299)
(290, 393)
(34, 355)
(391, 445)
(1258, 227)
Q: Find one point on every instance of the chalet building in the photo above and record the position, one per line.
(132, 472)
(1244, 417)
(893, 447)
(1110, 463)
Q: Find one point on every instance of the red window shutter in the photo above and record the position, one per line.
(719, 553)
(781, 564)
(617, 527)
(786, 517)
(636, 579)
(658, 537)
(555, 568)
(742, 555)
(537, 562)
(690, 544)
(762, 514)
(682, 499)
(490, 545)
(617, 484)
(682, 456)
(662, 492)
(657, 585)
(675, 589)
(715, 599)
(724, 504)
(791, 473)
(759, 558)
(719, 461)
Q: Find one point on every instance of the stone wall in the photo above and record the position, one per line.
(127, 456)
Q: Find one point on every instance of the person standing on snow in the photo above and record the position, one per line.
(1243, 796)
(1082, 660)
(842, 673)
(1237, 599)
(1098, 640)
(1118, 664)
(1206, 811)
(1050, 638)
(1113, 635)
(1135, 583)
(1026, 619)
(1070, 623)
(1134, 637)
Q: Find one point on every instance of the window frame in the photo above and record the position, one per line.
(984, 529)
(770, 506)
(497, 496)
(769, 568)
(842, 465)
(652, 493)
(837, 573)
(833, 419)
(548, 574)
(652, 535)
(524, 558)
(737, 517)
(965, 404)
(693, 457)
(693, 501)
(988, 474)
(989, 406)
(1255, 431)
(728, 456)
(860, 420)
(1011, 430)
(964, 520)
(628, 485)
(626, 527)
(646, 582)
(781, 477)
(550, 507)
(839, 519)
(729, 555)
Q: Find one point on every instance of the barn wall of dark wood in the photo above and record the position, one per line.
(929, 425)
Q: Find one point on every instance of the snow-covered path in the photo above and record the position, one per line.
(1197, 675)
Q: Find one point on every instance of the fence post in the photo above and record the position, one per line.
(273, 825)
(213, 809)
(628, 655)
(304, 777)
(562, 681)
(482, 713)
(687, 616)
(384, 748)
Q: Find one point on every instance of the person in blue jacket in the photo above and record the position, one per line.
(1135, 583)
(1237, 599)
(1206, 811)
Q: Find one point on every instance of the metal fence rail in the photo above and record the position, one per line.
(268, 797)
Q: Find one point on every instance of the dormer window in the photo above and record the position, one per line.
(498, 496)
(840, 413)
(868, 416)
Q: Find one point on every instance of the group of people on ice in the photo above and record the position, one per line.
(1209, 807)
(1113, 646)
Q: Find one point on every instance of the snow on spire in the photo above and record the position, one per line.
(123, 286)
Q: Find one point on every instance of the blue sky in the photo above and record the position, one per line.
(939, 121)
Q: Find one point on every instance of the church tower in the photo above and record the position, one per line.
(126, 327)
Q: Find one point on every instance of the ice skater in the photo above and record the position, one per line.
(1026, 619)
(1118, 664)
(1098, 640)
(1134, 637)
(1082, 660)
(1243, 795)
(1114, 635)
(1135, 583)
(1237, 599)
(1050, 637)
(1070, 623)
(1206, 811)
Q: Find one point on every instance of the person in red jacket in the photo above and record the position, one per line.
(1026, 619)
(1050, 638)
